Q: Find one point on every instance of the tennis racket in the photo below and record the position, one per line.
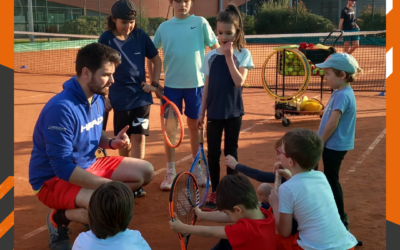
(101, 152)
(278, 181)
(200, 171)
(183, 198)
(171, 120)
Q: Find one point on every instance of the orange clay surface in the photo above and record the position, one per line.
(364, 188)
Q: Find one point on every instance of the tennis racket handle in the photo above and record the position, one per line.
(278, 181)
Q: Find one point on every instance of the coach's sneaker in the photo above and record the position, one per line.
(59, 236)
(210, 202)
(169, 178)
(200, 176)
(139, 192)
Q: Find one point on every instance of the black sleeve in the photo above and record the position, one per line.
(343, 14)
(256, 174)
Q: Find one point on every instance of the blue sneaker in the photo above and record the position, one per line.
(59, 236)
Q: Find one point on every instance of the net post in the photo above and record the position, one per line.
(30, 20)
(373, 13)
(99, 18)
(47, 18)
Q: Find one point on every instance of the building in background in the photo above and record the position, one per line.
(50, 15)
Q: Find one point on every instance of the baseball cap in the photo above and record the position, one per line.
(341, 61)
(124, 9)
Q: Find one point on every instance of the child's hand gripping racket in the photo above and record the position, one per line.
(184, 196)
(171, 119)
(200, 171)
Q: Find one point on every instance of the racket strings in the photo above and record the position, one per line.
(171, 124)
(185, 199)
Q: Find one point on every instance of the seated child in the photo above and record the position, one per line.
(307, 197)
(110, 212)
(236, 201)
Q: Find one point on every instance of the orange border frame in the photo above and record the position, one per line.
(393, 170)
(392, 120)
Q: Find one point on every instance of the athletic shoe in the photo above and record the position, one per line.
(139, 192)
(59, 236)
(200, 176)
(210, 202)
(169, 178)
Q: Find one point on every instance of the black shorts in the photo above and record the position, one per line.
(137, 119)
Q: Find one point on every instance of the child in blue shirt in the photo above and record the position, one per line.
(130, 96)
(338, 123)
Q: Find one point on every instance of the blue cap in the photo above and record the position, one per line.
(341, 61)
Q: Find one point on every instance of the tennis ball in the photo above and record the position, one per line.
(294, 73)
(321, 72)
(247, 85)
(291, 56)
(290, 69)
(286, 72)
(296, 62)
(287, 60)
(286, 67)
(301, 72)
(315, 71)
(296, 68)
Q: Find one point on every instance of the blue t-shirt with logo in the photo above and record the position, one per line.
(126, 93)
(343, 137)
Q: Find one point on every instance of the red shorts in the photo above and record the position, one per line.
(59, 194)
(289, 243)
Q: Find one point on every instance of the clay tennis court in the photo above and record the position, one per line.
(362, 172)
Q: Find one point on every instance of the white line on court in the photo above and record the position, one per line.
(33, 96)
(21, 178)
(43, 228)
(34, 232)
(363, 156)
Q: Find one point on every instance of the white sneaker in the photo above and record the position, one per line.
(200, 176)
(169, 178)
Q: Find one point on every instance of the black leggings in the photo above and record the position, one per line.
(332, 160)
(214, 138)
(223, 244)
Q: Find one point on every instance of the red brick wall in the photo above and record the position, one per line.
(154, 8)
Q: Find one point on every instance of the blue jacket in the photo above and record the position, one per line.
(66, 135)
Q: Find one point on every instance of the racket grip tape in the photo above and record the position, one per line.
(278, 181)
(105, 120)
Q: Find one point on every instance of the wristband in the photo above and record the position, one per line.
(109, 143)
(155, 84)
